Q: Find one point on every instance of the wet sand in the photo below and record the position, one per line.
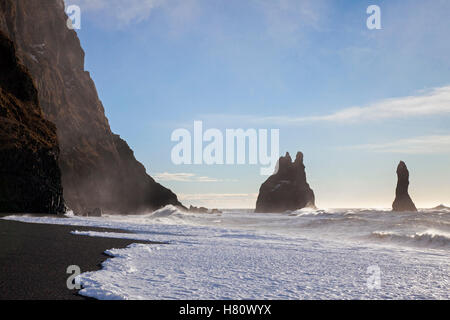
(34, 259)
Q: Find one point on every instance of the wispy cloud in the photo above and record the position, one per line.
(184, 177)
(284, 19)
(433, 102)
(287, 19)
(220, 200)
(217, 196)
(123, 12)
(433, 144)
(427, 103)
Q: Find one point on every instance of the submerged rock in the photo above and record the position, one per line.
(198, 209)
(403, 201)
(30, 178)
(98, 167)
(194, 209)
(287, 189)
(441, 207)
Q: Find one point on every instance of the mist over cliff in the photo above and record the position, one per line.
(98, 168)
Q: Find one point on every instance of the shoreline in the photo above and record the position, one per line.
(34, 259)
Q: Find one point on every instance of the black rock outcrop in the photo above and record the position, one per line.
(287, 189)
(402, 200)
(30, 178)
(98, 168)
(193, 209)
(441, 207)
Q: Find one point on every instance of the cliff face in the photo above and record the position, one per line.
(402, 200)
(287, 189)
(30, 179)
(98, 168)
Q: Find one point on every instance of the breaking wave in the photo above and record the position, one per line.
(165, 212)
(429, 238)
(259, 251)
(308, 212)
(421, 230)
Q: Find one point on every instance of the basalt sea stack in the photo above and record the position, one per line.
(30, 178)
(98, 168)
(287, 189)
(402, 200)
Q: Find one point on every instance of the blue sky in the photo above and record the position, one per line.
(355, 101)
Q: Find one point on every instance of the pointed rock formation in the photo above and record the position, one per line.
(30, 178)
(98, 168)
(287, 189)
(402, 200)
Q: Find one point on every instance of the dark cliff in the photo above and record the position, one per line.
(30, 178)
(98, 168)
(287, 189)
(402, 200)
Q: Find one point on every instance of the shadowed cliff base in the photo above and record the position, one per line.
(98, 168)
(403, 201)
(287, 189)
(30, 179)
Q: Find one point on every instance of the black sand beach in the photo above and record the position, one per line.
(34, 259)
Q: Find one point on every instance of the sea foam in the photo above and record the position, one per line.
(243, 255)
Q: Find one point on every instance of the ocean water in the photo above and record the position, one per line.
(305, 254)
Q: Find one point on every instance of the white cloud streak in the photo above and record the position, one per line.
(433, 102)
(218, 196)
(184, 177)
(433, 144)
(428, 103)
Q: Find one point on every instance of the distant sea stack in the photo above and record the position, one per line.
(30, 178)
(98, 168)
(193, 209)
(287, 189)
(402, 200)
(441, 207)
